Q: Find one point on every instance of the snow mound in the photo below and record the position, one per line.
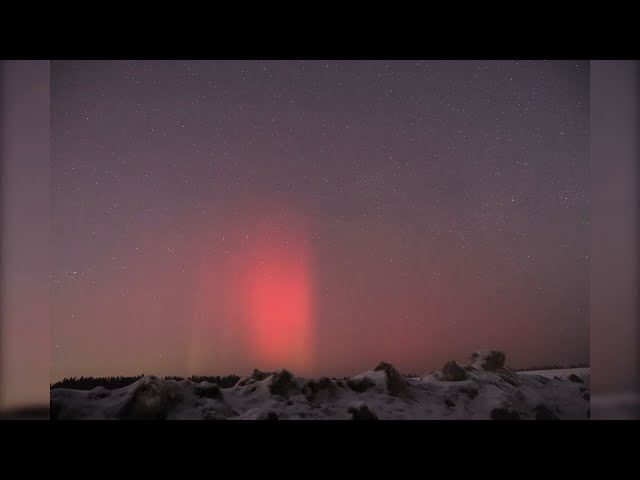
(483, 389)
(489, 360)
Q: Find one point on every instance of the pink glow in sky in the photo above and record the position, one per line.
(211, 217)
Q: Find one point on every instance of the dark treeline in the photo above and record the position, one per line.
(89, 383)
(552, 367)
(112, 383)
(227, 381)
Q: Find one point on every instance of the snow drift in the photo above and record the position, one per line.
(484, 389)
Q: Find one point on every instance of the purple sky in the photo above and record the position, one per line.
(210, 217)
(25, 243)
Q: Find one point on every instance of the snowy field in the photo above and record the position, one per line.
(559, 373)
(482, 389)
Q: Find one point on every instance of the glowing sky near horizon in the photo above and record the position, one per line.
(211, 217)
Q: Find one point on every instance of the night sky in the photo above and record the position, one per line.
(211, 217)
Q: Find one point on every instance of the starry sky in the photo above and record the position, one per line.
(211, 217)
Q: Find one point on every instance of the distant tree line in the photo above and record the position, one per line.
(89, 383)
(552, 367)
(113, 383)
(227, 381)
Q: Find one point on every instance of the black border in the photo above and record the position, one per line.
(420, 31)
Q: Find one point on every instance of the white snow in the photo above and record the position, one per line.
(501, 392)
(559, 373)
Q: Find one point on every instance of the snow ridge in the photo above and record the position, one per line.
(484, 388)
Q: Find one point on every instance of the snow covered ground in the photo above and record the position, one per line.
(559, 373)
(484, 388)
